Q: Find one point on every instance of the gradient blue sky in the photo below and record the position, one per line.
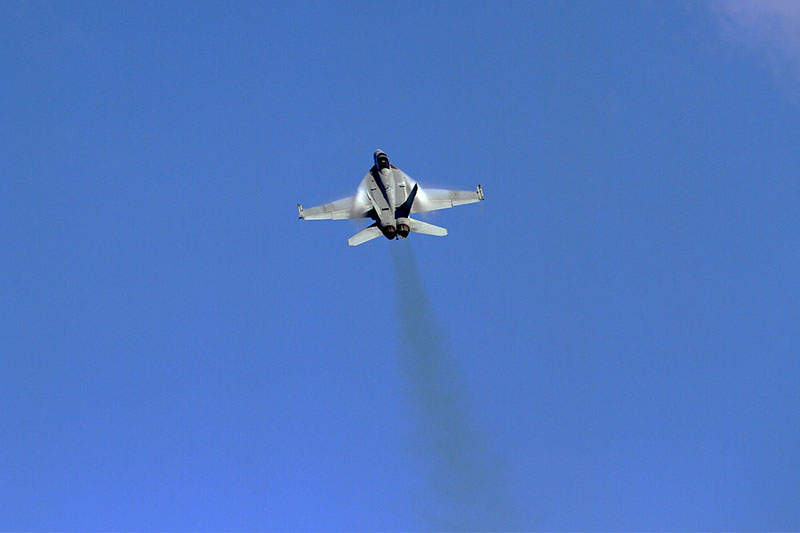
(179, 352)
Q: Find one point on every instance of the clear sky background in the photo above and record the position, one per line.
(613, 335)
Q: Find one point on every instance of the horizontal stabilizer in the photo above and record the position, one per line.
(418, 226)
(366, 234)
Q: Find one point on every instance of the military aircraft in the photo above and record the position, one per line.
(388, 196)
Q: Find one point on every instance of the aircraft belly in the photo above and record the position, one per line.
(384, 213)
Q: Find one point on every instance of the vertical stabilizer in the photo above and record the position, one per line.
(404, 210)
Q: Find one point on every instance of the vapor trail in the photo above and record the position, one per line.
(465, 479)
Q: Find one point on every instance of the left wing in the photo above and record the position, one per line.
(349, 207)
(433, 199)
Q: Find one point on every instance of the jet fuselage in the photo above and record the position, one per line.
(387, 190)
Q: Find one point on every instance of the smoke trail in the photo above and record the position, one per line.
(465, 479)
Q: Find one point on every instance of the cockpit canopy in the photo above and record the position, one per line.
(381, 160)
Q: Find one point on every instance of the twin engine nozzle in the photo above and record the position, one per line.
(401, 231)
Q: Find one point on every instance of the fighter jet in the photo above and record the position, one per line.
(389, 196)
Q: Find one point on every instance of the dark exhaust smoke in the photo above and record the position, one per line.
(466, 480)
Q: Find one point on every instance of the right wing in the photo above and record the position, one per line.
(433, 199)
(350, 207)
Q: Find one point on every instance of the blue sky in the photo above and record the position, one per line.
(613, 334)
